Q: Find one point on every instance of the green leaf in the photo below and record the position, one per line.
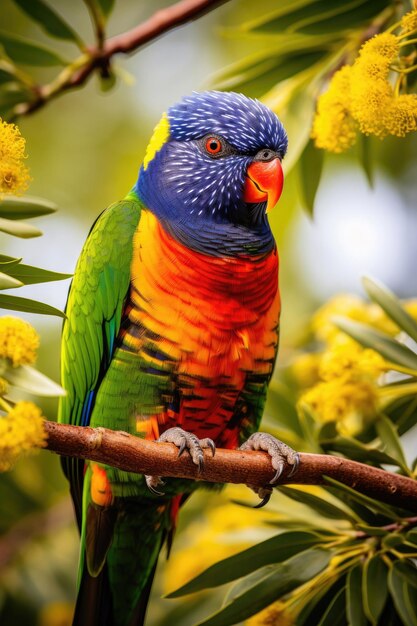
(309, 174)
(29, 275)
(335, 614)
(367, 501)
(320, 505)
(7, 282)
(365, 157)
(407, 570)
(403, 596)
(106, 6)
(29, 52)
(357, 450)
(49, 19)
(390, 349)
(273, 550)
(19, 229)
(32, 381)
(374, 587)
(391, 441)
(14, 303)
(411, 536)
(391, 305)
(16, 208)
(278, 581)
(354, 607)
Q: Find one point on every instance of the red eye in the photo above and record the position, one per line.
(213, 145)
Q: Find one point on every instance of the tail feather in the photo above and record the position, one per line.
(94, 606)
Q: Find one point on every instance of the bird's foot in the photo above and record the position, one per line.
(280, 454)
(184, 441)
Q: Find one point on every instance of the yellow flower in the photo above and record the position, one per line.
(345, 305)
(411, 308)
(14, 175)
(305, 369)
(276, 614)
(20, 431)
(18, 341)
(334, 129)
(348, 404)
(56, 614)
(371, 103)
(401, 116)
(384, 44)
(348, 360)
(409, 22)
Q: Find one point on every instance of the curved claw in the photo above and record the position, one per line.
(212, 446)
(182, 447)
(264, 501)
(294, 467)
(149, 479)
(277, 476)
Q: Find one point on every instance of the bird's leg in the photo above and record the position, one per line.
(280, 454)
(184, 441)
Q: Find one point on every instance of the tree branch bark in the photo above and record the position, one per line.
(133, 454)
(98, 57)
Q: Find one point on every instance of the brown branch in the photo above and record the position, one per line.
(228, 466)
(98, 57)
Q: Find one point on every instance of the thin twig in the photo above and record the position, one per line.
(98, 57)
(133, 454)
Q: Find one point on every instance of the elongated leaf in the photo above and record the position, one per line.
(402, 594)
(29, 52)
(19, 229)
(310, 169)
(335, 614)
(365, 157)
(273, 550)
(392, 443)
(391, 305)
(30, 275)
(412, 536)
(6, 262)
(374, 505)
(106, 6)
(320, 505)
(357, 450)
(385, 345)
(278, 581)
(374, 587)
(14, 303)
(354, 606)
(15, 208)
(7, 282)
(48, 19)
(407, 570)
(29, 379)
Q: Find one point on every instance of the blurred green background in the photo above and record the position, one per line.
(84, 151)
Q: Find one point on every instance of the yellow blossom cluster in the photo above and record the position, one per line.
(14, 175)
(18, 341)
(340, 383)
(20, 431)
(361, 97)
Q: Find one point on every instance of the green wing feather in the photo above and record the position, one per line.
(94, 314)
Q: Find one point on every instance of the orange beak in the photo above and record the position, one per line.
(264, 182)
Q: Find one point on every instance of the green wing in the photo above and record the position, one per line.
(94, 314)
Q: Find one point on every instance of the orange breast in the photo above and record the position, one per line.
(215, 318)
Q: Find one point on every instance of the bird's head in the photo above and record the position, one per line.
(214, 158)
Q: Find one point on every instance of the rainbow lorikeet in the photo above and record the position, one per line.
(172, 332)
